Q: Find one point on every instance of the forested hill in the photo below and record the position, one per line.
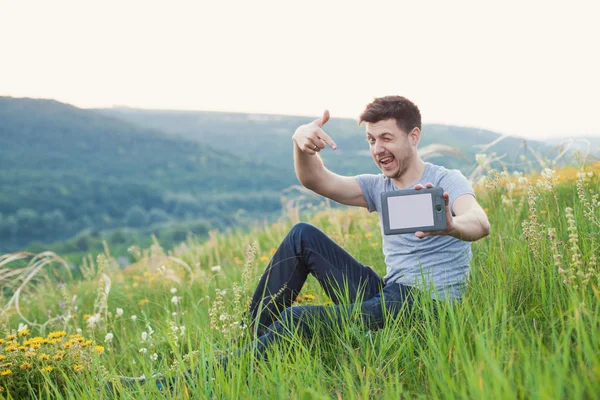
(64, 169)
(268, 137)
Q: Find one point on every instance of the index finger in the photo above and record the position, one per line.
(325, 137)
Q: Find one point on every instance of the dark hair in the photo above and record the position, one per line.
(404, 111)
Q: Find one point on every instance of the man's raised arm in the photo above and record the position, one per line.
(309, 140)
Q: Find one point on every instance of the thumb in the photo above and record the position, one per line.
(324, 118)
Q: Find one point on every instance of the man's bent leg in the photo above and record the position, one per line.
(307, 250)
(373, 313)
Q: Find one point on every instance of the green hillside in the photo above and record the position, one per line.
(268, 137)
(66, 169)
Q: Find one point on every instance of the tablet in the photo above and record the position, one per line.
(410, 210)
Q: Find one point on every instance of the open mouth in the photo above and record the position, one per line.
(386, 161)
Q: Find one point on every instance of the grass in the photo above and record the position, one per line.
(520, 331)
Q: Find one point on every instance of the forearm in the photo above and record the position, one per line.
(471, 226)
(309, 168)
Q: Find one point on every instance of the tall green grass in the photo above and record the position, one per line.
(520, 331)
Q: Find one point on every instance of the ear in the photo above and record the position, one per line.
(414, 136)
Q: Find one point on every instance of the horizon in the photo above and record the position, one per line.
(458, 62)
(123, 106)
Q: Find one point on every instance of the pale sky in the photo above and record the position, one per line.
(523, 68)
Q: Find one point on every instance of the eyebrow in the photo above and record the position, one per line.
(383, 134)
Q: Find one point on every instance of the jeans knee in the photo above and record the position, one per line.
(302, 228)
(302, 231)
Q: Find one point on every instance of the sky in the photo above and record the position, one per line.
(522, 68)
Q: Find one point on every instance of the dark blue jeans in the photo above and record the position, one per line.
(354, 288)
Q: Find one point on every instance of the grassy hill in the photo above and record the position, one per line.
(66, 169)
(528, 326)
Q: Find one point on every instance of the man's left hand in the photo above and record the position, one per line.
(450, 228)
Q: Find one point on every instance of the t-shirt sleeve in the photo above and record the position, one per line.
(368, 183)
(455, 184)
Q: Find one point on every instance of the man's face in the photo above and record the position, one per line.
(390, 147)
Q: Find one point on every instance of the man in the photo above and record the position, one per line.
(441, 258)
(393, 130)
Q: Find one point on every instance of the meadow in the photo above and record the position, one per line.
(527, 328)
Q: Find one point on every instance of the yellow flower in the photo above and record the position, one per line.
(272, 251)
(78, 368)
(11, 337)
(6, 372)
(2, 358)
(1, 341)
(67, 345)
(1, 389)
(299, 300)
(58, 334)
(264, 258)
(309, 297)
(25, 365)
(22, 348)
(142, 302)
(44, 357)
(86, 316)
(24, 332)
(57, 357)
(86, 344)
(368, 235)
(47, 369)
(100, 349)
(29, 354)
(328, 303)
(10, 348)
(374, 244)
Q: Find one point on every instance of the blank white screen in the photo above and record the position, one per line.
(410, 211)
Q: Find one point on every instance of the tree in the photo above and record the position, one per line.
(136, 217)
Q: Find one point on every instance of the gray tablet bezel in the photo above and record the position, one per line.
(437, 198)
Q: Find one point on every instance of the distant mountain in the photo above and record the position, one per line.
(64, 169)
(268, 137)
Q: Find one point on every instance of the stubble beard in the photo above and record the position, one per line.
(402, 166)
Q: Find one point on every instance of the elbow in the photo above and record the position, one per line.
(486, 228)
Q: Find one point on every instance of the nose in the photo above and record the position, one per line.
(378, 147)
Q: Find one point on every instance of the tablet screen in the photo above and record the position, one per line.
(410, 211)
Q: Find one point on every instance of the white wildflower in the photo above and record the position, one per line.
(175, 299)
(133, 317)
(93, 319)
(182, 330)
(119, 312)
(216, 268)
(154, 357)
(79, 330)
(144, 336)
(481, 159)
(109, 337)
(143, 350)
(22, 327)
(173, 290)
(223, 317)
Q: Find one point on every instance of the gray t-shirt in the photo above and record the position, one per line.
(441, 263)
